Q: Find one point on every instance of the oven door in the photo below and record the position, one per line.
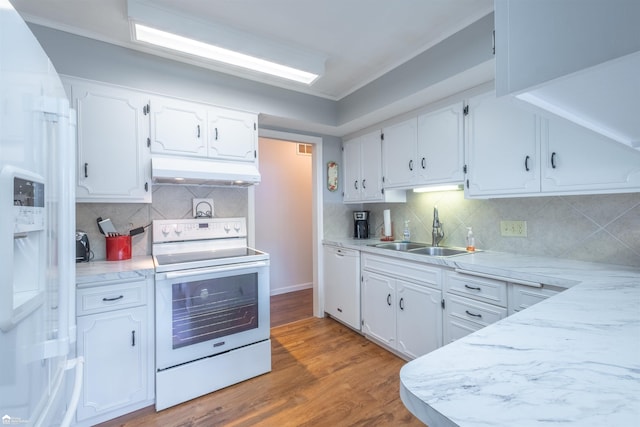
(205, 311)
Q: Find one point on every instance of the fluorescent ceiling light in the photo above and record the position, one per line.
(433, 188)
(190, 46)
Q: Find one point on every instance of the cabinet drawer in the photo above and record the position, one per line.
(472, 311)
(481, 289)
(407, 270)
(521, 297)
(111, 297)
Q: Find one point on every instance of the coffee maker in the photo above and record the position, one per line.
(361, 224)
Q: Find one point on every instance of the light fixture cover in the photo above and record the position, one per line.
(188, 36)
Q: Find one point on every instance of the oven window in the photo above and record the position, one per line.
(208, 309)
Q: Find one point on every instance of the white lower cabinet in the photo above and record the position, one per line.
(522, 296)
(471, 303)
(401, 304)
(115, 338)
(342, 284)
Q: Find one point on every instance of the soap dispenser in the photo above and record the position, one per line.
(406, 234)
(471, 241)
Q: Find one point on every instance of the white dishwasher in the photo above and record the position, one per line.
(342, 285)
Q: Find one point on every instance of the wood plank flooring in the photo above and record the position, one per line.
(292, 306)
(323, 374)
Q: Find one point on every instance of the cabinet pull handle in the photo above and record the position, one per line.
(424, 163)
(198, 131)
(216, 134)
(389, 299)
(113, 299)
(553, 160)
(472, 287)
(526, 163)
(133, 338)
(339, 310)
(401, 304)
(364, 183)
(86, 170)
(473, 314)
(355, 184)
(411, 164)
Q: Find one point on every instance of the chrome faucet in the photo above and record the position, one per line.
(438, 233)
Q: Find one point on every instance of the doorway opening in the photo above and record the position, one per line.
(287, 215)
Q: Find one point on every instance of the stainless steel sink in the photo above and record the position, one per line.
(400, 246)
(438, 251)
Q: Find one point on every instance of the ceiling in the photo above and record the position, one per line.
(360, 40)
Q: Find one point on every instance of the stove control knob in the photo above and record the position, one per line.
(227, 228)
(236, 226)
(178, 229)
(166, 230)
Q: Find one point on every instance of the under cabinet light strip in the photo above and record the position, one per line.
(182, 44)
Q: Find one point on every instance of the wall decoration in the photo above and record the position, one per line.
(332, 176)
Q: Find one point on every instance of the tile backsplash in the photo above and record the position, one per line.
(169, 202)
(600, 228)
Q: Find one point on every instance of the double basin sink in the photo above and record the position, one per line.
(421, 248)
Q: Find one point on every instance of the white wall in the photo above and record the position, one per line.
(283, 206)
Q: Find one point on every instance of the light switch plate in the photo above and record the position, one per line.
(513, 228)
(203, 208)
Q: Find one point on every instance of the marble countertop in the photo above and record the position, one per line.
(105, 271)
(571, 360)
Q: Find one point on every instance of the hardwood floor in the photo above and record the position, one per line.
(292, 306)
(323, 374)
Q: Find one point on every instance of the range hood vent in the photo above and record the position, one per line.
(171, 170)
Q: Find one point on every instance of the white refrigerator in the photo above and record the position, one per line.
(39, 379)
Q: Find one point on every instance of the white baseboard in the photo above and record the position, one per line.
(293, 288)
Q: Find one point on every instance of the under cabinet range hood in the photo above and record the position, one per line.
(171, 170)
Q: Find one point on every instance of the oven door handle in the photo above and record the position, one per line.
(182, 274)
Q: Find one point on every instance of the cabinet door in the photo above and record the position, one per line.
(115, 349)
(577, 159)
(379, 308)
(178, 127)
(112, 131)
(351, 162)
(371, 167)
(233, 135)
(342, 285)
(399, 154)
(502, 148)
(440, 157)
(419, 317)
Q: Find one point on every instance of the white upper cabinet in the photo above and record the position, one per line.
(425, 150)
(502, 148)
(178, 127)
(515, 150)
(440, 157)
(362, 159)
(112, 153)
(399, 152)
(578, 160)
(233, 135)
(183, 128)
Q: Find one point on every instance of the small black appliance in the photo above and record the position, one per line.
(83, 250)
(361, 224)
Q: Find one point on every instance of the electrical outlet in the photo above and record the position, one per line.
(513, 228)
